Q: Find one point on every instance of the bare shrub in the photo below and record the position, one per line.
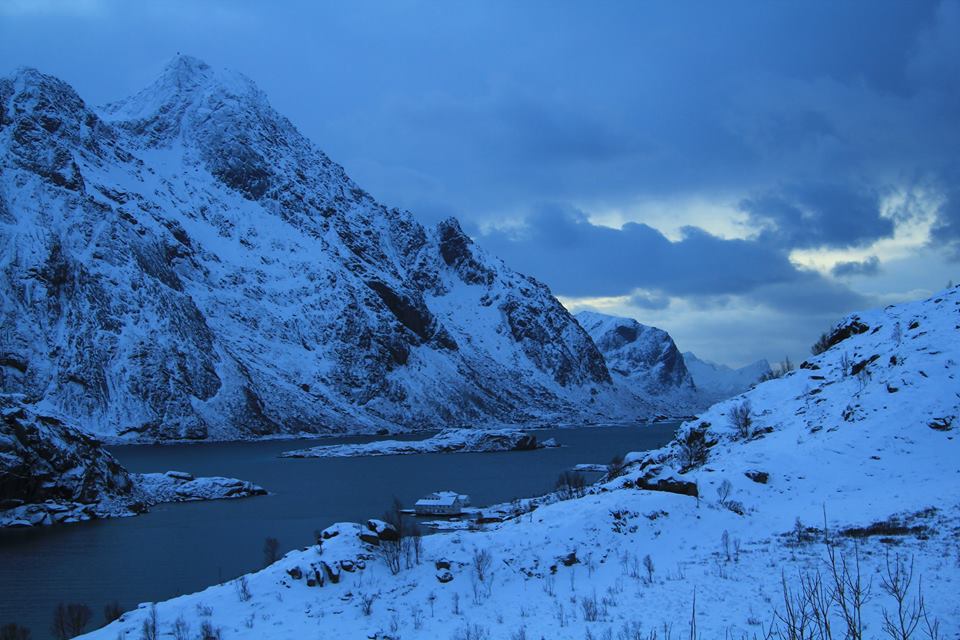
(741, 418)
(150, 629)
(692, 447)
(571, 484)
(14, 632)
(209, 632)
(112, 611)
(724, 491)
(70, 620)
(821, 345)
(779, 370)
(366, 603)
(271, 551)
(591, 608)
(482, 559)
(615, 467)
(896, 582)
(648, 566)
(471, 632)
(243, 589)
(180, 629)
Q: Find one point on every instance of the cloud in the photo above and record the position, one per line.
(560, 246)
(868, 267)
(818, 215)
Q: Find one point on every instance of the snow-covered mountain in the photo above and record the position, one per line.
(185, 264)
(838, 492)
(644, 360)
(717, 382)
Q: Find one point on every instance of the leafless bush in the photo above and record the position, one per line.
(471, 632)
(366, 603)
(180, 629)
(416, 614)
(845, 364)
(821, 345)
(390, 551)
(519, 634)
(591, 608)
(571, 484)
(271, 551)
(482, 559)
(70, 620)
(896, 582)
(779, 370)
(243, 588)
(615, 467)
(725, 544)
(741, 418)
(456, 603)
(724, 491)
(112, 611)
(648, 566)
(692, 447)
(150, 630)
(208, 631)
(14, 632)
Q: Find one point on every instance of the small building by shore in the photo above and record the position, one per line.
(441, 503)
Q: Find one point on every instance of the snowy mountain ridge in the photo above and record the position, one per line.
(853, 456)
(185, 264)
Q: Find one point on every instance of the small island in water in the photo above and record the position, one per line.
(446, 441)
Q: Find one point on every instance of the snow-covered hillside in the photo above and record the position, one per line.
(185, 264)
(645, 361)
(854, 455)
(717, 382)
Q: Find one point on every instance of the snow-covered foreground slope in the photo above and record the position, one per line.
(447, 441)
(862, 438)
(185, 264)
(52, 473)
(645, 361)
(717, 382)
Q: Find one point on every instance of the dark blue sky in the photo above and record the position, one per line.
(740, 174)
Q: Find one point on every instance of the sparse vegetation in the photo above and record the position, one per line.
(70, 620)
(14, 632)
(571, 484)
(741, 417)
(778, 370)
(271, 551)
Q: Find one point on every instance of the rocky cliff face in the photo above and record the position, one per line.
(644, 360)
(185, 264)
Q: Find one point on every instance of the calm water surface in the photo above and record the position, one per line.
(181, 548)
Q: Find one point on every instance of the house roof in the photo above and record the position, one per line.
(440, 499)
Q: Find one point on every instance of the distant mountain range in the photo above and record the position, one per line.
(717, 381)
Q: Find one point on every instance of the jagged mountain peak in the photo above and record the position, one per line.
(184, 81)
(644, 359)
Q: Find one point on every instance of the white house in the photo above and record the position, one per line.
(441, 503)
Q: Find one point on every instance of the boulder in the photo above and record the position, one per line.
(444, 576)
(760, 477)
(661, 478)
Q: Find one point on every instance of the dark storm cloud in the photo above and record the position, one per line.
(560, 246)
(868, 267)
(818, 215)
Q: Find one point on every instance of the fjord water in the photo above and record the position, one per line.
(182, 548)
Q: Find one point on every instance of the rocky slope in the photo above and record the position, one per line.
(717, 382)
(728, 532)
(185, 264)
(52, 473)
(645, 361)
